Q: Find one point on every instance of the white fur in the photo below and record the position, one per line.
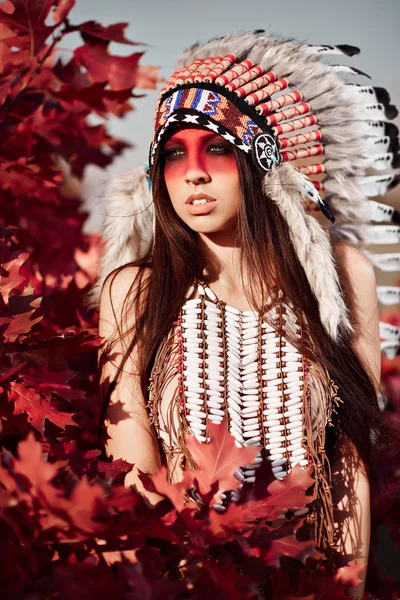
(128, 226)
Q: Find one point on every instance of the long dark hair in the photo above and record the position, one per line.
(165, 275)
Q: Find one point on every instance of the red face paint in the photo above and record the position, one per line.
(201, 176)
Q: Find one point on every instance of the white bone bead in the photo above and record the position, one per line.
(250, 369)
(215, 404)
(191, 406)
(195, 402)
(278, 462)
(189, 293)
(251, 349)
(249, 412)
(295, 436)
(249, 359)
(188, 321)
(198, 390)
(216, 412)
(301, 511)
(271, 423)
(299, 452)
(192, 302)
(250, 404)
(294, 402)
(298, 429)
(234, 396)
(193, 395)
(238, 474)
(273, 446)
(274, 395)
(295, 419)
(196, 413)
(292, 412)
(276, 428)
(251, 396)
(250, 479)
(250, 385)
(296, 461)
(200, 289)
(250, 314)
(192, 310)
(210, 294)
(215, 418)
(248, 422)
(252, 332)
(231, 310)
(278, 470)
(254, 441)
(195, 426)
(293, 356)
(210, 352)
(193, 349)
(272, 411)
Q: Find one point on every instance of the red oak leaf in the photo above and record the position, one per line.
(12, 279)
(28, 22)
(288, 546)
(31, 463)
(92, 31)
(119, 71)
(47, 382)
(21, 321)
(61, 10)
(285, 494)
(27, 400)
(175, 492)
(114, 469)
(219, 459)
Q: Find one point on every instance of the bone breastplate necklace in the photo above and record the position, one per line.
(239, 365)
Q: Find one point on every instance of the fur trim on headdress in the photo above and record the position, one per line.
(312, 246)
(128, 226)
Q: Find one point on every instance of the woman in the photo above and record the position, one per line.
(240, 306)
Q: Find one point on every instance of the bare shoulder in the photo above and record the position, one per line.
(117, 288)
(359, 272)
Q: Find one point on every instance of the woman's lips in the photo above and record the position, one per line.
(201, 209)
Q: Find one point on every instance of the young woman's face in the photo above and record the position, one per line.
(202, 179)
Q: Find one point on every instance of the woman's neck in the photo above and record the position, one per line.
(221, 258)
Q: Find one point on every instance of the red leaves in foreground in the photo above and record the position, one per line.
(64, 515)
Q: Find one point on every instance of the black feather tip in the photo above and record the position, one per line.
(394, 183)
(396, 161)
(396, 216)
(348, 50)
(382, 96)
(325, 209)
(358, 72)
(391, 111)
(392, 131)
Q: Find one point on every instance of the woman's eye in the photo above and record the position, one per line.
(172, 153)
(220, 149)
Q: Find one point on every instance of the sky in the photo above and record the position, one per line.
(169, 26)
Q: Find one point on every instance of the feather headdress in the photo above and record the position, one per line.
(281, 102)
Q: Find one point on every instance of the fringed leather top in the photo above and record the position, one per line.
(248, 367)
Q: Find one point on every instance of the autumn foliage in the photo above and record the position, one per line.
(68, 527)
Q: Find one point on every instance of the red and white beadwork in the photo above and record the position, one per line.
(235, 364)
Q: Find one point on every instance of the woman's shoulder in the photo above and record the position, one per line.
(358, 269)
(118, 286)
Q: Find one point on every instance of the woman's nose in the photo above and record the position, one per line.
(196, 171)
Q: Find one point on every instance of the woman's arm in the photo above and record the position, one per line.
(361, 282)
(128, 433)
